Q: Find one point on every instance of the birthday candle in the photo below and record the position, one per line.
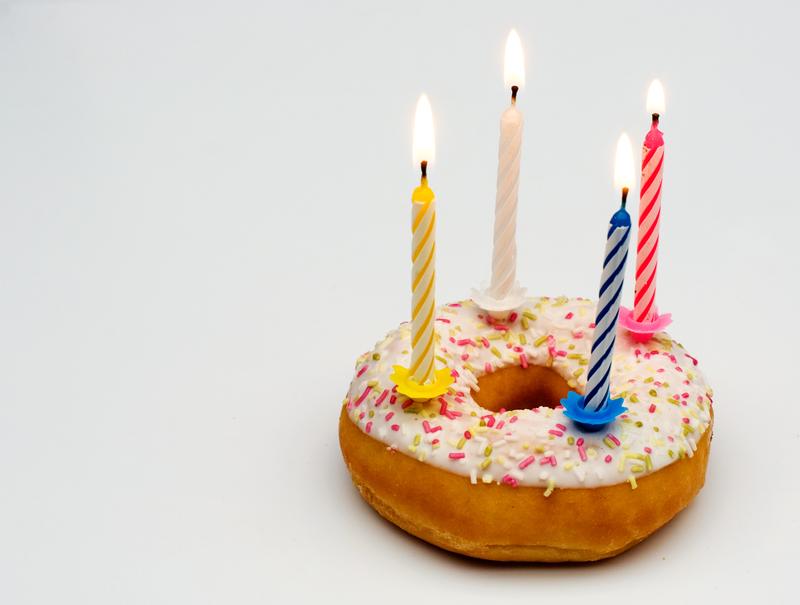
(644, 306)
(605, 332)
(423, 251)
(504, 255)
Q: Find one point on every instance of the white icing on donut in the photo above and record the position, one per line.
(668, 400)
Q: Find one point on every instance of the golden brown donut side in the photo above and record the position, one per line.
(501, 523)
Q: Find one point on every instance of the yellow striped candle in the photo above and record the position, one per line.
(423, 251)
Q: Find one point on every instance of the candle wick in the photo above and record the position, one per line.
(655, 119)
(624, 197)
(423, 166)
(514, 90)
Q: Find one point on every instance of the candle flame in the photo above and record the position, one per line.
(424, 148)
(624, 166)
(514, 71)
(655, 97)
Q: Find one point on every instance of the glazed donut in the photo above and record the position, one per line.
(494, 469)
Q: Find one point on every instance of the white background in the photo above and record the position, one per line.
(204, 219)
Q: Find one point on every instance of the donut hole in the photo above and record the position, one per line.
(518, 388)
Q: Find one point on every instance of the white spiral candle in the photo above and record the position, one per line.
(504, 257)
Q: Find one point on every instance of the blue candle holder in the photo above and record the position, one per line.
(591, 421)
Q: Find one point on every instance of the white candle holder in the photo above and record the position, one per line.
(499, 308)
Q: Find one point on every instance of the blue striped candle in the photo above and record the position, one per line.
(605, 332)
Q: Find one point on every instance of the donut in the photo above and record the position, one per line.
(493, 469)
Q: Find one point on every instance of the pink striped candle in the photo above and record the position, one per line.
(644, 309)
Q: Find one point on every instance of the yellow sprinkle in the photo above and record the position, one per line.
(495, 352)
(540, 341)
(568, 465)
(495, 336)
(653, 393)
(577, 372)
(634, 398)
(539, 449)
(524, 322)
(376, 356)
(574, 356)
(372, 383)
(671, 453)
(551, 484)
(632, 481)
(637, 468)
(648, 461)
(461, 442)
(421, 456)
(570, 440)
(441, 359)
(522, 339)
(488, 451)
(609, 443)
(529, 315)
(571, 383)
(413, 448)
(371, 414)
(584, 362)
(485, 464)
(526, 445)
(417, 439)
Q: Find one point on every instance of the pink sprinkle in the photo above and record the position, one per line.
(438, 427)
(580, 441)
(383, 396)
(652, 408)
(582, 453)
(608, 459)
(464, 356)
(451, 339)
(489, 420)
(454, 373)
(569, 315)
(487, 367)
(464, 342)
(513, 317)
(407, 403)
(456, 455)
(361, 415)
(368, 428)
(685, 420)
(561, 353)
(467, 435)
(592, 325)
(426, 426)
(561, 426)
(523, 360)
(393, 399)
(527, 462)
(361, 371)
(434, 442)
(500, 424)
(509, 480)
(454, 305)
(388, 417)
(556, 433)
(614, 439)
(363, 396)
(544, 460)
(395, 427)
(485, 342)
(638, 352)
(553, 461)
(442, 406)
(443, 320)
(513, 419)
(685, 395)
(648, 450)
(578, 334)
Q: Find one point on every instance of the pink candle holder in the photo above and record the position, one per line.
(642, 331)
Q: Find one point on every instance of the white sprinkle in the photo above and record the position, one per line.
(473, 476)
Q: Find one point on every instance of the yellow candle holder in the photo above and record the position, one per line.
(412, 389)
